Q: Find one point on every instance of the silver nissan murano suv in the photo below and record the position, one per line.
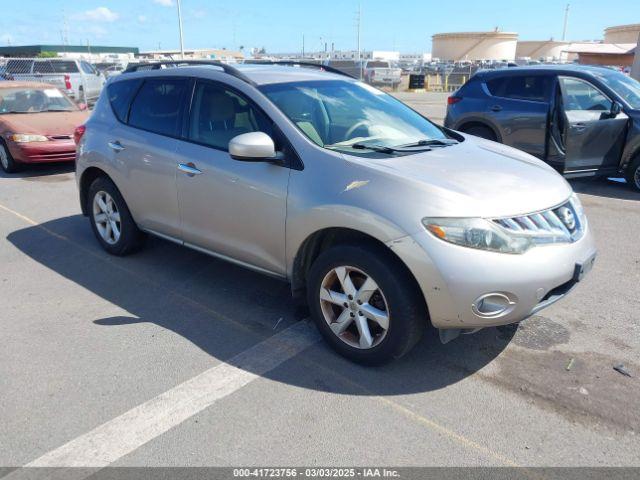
(385, 223)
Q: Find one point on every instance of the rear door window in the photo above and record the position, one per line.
(521, 87)
(55, 66)
(157, 106)
(120, 95)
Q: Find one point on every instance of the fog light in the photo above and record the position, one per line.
(493, 305)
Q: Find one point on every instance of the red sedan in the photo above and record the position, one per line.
(37, 122)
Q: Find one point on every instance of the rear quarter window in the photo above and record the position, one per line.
(120, 95)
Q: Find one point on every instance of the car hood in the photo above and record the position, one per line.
(475, 178)
(44, 123)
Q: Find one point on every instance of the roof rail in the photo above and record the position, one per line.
(180, 63)
(294, 63)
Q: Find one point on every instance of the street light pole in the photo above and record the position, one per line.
(358, 40)
(180, 24)
(566, 20)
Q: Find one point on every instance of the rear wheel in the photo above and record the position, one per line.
(633, 173)
(7, 162)
(481, 131)
(365, 304)
(111, 220)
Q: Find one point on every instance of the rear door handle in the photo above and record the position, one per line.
(496, 108)
(116, 146)
(579, 127)
(189, 168)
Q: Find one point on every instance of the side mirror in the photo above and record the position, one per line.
(616, 109)
(82, 106)
(252, 147)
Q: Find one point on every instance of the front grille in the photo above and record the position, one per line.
(555, 225)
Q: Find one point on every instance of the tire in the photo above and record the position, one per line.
(482, 132)
(113, 226)
(633, 173)
(8, 164)
(395, 293)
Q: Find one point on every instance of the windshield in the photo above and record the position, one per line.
(626, 87)
(33, 100)
(350, 116)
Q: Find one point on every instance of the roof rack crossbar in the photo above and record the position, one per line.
(294, 63)
(226, 68)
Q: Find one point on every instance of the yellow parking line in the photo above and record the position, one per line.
(416, 417)
(456, 437)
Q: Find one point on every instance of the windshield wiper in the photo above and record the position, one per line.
(388, 150)
(431, 143)
(375, 148)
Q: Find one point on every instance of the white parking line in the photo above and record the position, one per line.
(112, 440)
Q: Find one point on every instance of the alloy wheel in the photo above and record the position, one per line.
(354, 307)
(107, 217)
(636, 177)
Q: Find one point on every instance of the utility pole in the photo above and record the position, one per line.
(303, 45)
(566, 20)
(180, 25)
(358, 39)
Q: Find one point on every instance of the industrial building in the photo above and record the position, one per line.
(619, 54)
(223, 55)
(622, 34)
(494, 45)
(93, 53)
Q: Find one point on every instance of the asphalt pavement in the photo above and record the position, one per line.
(170, 358)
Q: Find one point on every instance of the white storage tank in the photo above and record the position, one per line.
(542, 49)
(622, 34)
(457, 46)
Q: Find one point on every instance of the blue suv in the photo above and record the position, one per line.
(581, 120)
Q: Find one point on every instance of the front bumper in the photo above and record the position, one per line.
(453, 278)
(43, 152)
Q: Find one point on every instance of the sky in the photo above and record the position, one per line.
(279, 26)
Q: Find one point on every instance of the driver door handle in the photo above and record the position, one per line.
(116, 146)
(579, 127)
(496, 108)
(189, 168)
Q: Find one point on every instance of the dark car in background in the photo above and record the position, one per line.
(581, 120)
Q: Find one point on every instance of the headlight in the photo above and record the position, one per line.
(476, 233)
(26, 138)
(577, 206)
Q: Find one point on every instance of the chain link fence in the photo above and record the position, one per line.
(77, 78)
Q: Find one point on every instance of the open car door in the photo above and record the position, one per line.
(588, 129)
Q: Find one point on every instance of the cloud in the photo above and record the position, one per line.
(164, 3)
(142, 19)
(100, 14)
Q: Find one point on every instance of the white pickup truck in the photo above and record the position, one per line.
(77, 78)
(380, 72)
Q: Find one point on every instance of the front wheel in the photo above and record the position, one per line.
(365, 303)
(633, 174)
(7, 162)
(111, 220)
